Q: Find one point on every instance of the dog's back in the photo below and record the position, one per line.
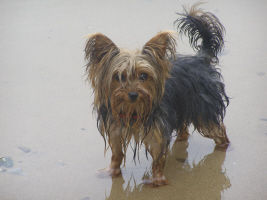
(195, 93)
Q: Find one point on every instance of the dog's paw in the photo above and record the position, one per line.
(222, 147)
(114, 172)
(156, 181)
(107, 172)
(159, 181)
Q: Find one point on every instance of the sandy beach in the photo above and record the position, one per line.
(50, 148)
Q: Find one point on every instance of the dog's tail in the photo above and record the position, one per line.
(205, 32)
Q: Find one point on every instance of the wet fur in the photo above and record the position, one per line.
(179, 90)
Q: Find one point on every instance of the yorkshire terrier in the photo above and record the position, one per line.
(149, 93)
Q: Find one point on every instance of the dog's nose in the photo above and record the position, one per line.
(133, 95)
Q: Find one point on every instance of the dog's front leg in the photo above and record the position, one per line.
(116, 148)
(156, 146)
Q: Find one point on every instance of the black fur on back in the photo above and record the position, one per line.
(194, 93)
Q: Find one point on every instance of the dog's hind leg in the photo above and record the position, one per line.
(182, 133)
(217, 133)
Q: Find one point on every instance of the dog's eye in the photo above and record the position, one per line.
(117, 77)
(143, 76)
(123, 79)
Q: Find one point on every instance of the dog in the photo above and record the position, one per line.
(150, 93)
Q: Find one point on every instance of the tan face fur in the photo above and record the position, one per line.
(129, 83)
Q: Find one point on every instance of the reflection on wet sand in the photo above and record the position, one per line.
(202, 180)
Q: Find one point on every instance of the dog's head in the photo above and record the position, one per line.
(129, 83)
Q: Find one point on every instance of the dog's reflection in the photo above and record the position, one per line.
(203, 180)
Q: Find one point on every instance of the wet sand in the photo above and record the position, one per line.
(49, 144)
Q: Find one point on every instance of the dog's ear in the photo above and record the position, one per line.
(98, 47)
(159, 51)
(99, 50)
(161, 47)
